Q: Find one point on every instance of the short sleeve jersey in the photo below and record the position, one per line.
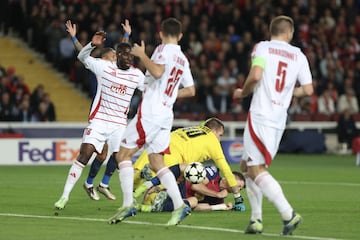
(284, 66)
(160, 94)
(115, 88)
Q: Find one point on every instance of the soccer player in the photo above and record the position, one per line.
(206, 196)
(151, 126)
(117, 82)
(110, 55)
(196, 144)
(275, 69)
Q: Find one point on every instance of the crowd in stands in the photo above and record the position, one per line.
(218, 39)
(19, 104)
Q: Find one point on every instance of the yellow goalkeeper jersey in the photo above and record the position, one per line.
(193, 144)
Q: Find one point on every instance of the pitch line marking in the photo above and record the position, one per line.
(163, 225)
(342, 184)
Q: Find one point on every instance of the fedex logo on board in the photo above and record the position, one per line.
(53, 151)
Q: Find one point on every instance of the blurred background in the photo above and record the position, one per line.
(41, 79)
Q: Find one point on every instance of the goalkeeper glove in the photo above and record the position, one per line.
(239, 204)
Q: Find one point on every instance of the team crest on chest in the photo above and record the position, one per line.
(119, 88)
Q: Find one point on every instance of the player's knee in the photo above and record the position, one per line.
(101, 157)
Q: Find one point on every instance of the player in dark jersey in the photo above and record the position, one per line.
(206, 196)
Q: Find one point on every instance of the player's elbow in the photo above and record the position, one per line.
(81, 56)
(308, 89)
(157, 71)
(191, 91)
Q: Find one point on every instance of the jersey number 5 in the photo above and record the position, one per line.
(280, 76)
(175, 75)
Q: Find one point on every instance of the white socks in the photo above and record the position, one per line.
(74, 175)
(255, 198)
(272, 190)
(126, 176)
(168, 180)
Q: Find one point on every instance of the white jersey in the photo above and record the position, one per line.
(160, 94)
(284, 65)
(115, 88)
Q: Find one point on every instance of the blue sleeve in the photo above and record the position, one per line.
(211, 172)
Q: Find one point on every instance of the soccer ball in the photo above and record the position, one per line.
(195, 172)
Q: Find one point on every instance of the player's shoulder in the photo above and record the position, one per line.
(135, 70)
(260, 46)
(211, 171)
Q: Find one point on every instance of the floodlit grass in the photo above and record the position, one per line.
(324, 189)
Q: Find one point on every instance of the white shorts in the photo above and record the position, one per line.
(97, 134)
(261, 143)
(143, 133)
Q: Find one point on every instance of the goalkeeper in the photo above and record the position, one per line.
(195, 144)
(205, 196)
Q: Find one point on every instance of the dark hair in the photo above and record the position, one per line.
(239, 176)
(122, 46)
(171, 27)
(105, 51)
(214, 123)
(281, 24)
(123, 56)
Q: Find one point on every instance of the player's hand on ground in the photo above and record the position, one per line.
(239, 207)
(70, 28)
(239, 204)
(222, 194)
(98, 38)
(229, 206)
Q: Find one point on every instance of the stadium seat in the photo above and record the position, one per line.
(225, 116)
(186, 115)
(356, 117)
(302, 117)
(335, 117)
(71, 105)
(241, 116)
(322, 117)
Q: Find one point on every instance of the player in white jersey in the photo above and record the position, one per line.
(117, 82)
(276, 67)
(150, 128)
(103, 187)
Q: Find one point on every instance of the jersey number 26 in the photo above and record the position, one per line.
(175, 75)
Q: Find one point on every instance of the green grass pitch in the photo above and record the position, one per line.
(324, 189)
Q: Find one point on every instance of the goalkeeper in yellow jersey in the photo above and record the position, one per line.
(194, 144)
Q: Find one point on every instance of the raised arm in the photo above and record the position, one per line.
(71, 29)
(85, 52)
(127, 31)
(156, 70)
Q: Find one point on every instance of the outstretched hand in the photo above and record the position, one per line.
(70, 28)
(126, 26)
(138, 50)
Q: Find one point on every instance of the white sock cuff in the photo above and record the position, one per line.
(79, 164)
(260, 177)
(162, 171)
(125, 164)
(218, 207)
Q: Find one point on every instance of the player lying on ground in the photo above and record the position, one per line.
(205, 196)
(196, 144)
